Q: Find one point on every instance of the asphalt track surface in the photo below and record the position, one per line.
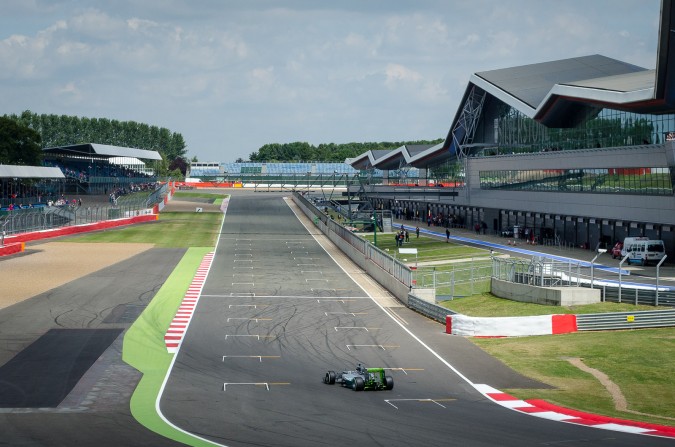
(96, 411)
(277, 312)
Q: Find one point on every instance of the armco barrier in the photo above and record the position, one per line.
(626, 320)
(430, 310)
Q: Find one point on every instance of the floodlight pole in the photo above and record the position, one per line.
(600, 251)
(375, 227)
(658, 267)
(620, 268)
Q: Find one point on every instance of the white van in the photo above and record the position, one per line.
(642, 250)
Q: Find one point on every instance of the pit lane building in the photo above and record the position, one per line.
(581, 151)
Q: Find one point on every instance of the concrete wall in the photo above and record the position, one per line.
(552, 296)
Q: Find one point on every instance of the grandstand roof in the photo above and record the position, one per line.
(13, 171)
(562, 93)
(393, 159)
(104, 150)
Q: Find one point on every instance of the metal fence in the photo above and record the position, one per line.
(461, 280)
(395, 268)
(626, 320)
(48, 217)
(430, 310)
(543, 272)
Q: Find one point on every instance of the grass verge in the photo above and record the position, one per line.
(173, 230)
(638, 361)
(428, 248)
(488, 305)
(198, 195)
(144, 347)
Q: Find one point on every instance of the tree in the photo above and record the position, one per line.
(19, 144)
(179, 164)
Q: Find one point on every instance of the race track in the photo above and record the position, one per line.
(277, 312)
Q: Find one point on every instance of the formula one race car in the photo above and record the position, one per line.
(361, 379)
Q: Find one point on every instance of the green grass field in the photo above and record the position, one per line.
(176, 230)
(640, 362)
(428, 248)
(198, 195)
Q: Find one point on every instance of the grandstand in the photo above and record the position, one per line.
(99, 169)
(581, 150)
(290, 174)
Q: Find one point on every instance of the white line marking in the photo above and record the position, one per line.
(249, 319)
(350, 327)
(349, 347)
(246, 383)
(389, 401)
(259, 357)
(243, 284)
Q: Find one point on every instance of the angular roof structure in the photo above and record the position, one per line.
(14, 171)
(104, 151)
(390, 160)
(562, 93)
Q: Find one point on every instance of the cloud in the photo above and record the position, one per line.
(319, 71)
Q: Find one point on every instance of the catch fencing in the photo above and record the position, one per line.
(457, 281)
(398, 270)
(47, 217)
(613, 285)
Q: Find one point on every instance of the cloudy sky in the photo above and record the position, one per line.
(232, 75)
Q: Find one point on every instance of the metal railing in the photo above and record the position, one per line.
(473, 277)
(544, 272)
(433, 311)
(395, 268)
(626, 320)
(48, 217)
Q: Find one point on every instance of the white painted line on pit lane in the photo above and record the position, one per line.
(322, 290)
(316, 279)
(242, 254)
(352, 327)
(353, 314)
(435, 401)
(312, 297)
(265, 384)
(403, 370)
(259, 357)
(256, 336)
(249, 319)
(312, 271)
(243, 284)
(255, 306)
(383, 347)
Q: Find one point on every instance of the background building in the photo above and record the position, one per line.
(576, 151)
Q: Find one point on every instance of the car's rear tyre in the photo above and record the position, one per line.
(388, 382)
(359, 384)
(329, 378)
